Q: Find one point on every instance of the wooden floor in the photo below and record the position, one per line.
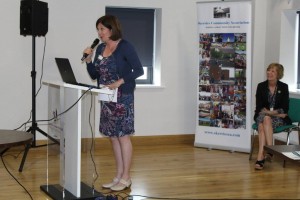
(163, 167)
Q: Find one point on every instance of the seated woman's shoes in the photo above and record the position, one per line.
(111, 184)
(122, 185)
(259, 164)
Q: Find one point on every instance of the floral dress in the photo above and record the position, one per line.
(276, 121)
(116, 118)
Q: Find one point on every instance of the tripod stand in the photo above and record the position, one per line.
(34, 128)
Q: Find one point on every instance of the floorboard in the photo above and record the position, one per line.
(163, 167)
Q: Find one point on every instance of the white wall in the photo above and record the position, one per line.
(159, 111)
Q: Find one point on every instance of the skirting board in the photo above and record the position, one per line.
(219, 147)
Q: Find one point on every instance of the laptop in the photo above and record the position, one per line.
(67, 74)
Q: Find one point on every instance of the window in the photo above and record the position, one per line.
(138, 27)
(288, 51)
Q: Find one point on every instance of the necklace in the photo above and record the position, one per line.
(272, 97)
(110, 48)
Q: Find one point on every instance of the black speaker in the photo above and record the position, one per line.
(33, 18)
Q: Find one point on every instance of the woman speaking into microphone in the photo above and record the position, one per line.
(116, 65)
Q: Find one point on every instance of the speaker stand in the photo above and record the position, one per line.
(34, 128)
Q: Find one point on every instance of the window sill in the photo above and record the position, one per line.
(149, 86)
(295, 93)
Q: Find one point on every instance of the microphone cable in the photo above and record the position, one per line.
(92, 143)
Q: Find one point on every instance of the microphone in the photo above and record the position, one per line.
(96, 41)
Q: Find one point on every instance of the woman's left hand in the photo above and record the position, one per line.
(116, 84)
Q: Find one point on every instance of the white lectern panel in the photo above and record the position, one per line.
(75, 129)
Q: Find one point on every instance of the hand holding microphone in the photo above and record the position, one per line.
(88, 51)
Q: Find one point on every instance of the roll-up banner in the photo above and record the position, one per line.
(224, 84)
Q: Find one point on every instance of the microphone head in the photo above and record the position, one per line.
(96, 41)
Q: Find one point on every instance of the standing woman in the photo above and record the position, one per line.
(272, 105)
(116, 65)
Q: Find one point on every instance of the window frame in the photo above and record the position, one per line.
(148, 68)
(298, 56)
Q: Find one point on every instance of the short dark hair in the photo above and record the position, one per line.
(111, 22)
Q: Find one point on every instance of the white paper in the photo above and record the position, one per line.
(108, 95)
(291, 155)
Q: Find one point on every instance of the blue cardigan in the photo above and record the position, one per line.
(129, 66)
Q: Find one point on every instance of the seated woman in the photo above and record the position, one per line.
(272, 105)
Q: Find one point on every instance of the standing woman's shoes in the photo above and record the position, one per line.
(111, 184)
(259, 164)
(122, 185)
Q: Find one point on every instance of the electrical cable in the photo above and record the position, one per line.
(93, 142)
(127, 196)
(15, 177)
(149, 197)
(28, 121)
(55, 117)
(91, 154)
(42, 71)
(15, 157)
(95, 168)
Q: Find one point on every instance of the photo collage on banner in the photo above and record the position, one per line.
(224, 82)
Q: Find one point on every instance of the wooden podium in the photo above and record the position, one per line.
(72, 125)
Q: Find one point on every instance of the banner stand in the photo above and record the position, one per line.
(224, 84)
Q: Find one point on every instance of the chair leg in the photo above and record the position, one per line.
(24, 157)
(298, 134)
(252, 145)
(287, 143)
(288, 138)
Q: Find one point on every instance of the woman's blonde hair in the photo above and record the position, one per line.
(279, 68)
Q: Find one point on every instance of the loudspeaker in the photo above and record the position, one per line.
(33, 18)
